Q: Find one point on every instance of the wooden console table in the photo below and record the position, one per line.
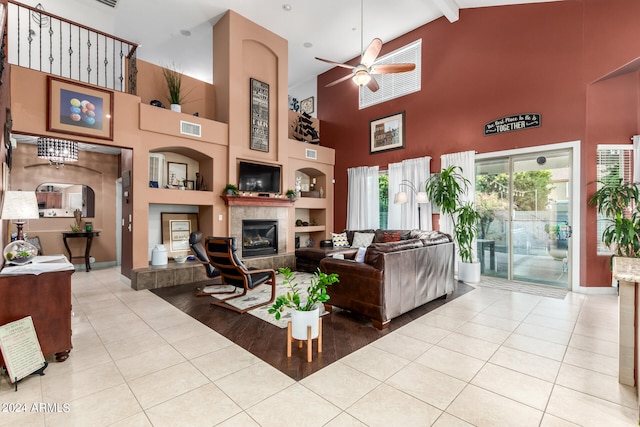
(46, 297)
(89, 235)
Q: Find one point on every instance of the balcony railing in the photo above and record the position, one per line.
(52, 44)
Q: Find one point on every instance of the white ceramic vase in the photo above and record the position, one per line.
(176, 107)
(301, 319)
(469, 272)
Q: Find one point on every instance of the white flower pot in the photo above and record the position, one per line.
(469, 272)
(176, 107)
(301, 319)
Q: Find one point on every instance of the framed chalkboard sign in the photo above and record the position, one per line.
(259, 116)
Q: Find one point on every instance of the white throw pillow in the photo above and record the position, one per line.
(360, 255)
(362, 240)
(339, 240)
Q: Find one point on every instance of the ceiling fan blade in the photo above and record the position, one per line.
(371, 53)
(373, 84)
(340, 80)
(337, 64)
(392, 68)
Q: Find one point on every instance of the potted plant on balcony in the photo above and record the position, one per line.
(173, 78)
(230, 190)
(291, 194)
(445, 189)
(304, 313)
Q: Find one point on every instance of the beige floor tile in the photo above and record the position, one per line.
(166, 384)
(290, 406)
(549, 420)
(204, 406)
(483, 408)
(132, 346)
(374, 362)
(526, 363)
(187, 329)
(80, 359)
(253, 384)
(549, 322)
(594, 345)
(202, 344)
(344, 420)
(440, 321)
(495, 322)
(401, 345)
(483, 332)
(223, 362)
(595, 331)
(507, 312)
(450, 362)
(386, 406)
(474, 347)
(588, 411)
(457, 313)
(121, 331)
(423, 332)
(596, 384)
(150, 361)
(448, 420)
(138, 420)
(566, 314)
(239, 420)
(544, 333)
(99, 409)
(592, 361)
(22, 419)
(74, 385)
(536, 346)
(514, 385)
(426, 384)
(340, 384)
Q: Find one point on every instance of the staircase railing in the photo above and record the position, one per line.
(42, 41)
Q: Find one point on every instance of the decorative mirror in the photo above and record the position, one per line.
(62, 199)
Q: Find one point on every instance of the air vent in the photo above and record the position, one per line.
(311, 154)
(191, 129)
(110, 3)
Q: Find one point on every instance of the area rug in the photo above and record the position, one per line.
(263, 293)
(527, 288)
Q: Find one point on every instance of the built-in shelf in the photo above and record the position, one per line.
(257, 201)
(310, 228)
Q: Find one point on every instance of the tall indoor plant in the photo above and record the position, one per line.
(446, 189)
(173, 77)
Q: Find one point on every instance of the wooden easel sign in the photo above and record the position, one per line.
(21, 349)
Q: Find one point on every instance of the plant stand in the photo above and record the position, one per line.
(309, 340)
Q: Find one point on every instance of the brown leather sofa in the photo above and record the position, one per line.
(395, 278)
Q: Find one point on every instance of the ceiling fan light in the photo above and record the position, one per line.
(361, 78)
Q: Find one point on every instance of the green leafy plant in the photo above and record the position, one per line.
(290, 193)
(75, 228)
(316, 292)
(618, 202)
(173, 78)
(232, 188)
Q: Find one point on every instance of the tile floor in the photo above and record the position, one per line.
(488, 358)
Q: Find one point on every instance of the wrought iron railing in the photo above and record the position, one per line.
(42, 41)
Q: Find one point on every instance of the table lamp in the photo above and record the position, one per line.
(19, 206)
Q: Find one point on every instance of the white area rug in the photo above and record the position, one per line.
(262, 293)
(527, 288)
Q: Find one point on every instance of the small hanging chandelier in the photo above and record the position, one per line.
(57, 151)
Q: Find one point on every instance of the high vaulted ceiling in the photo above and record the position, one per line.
(332, 27)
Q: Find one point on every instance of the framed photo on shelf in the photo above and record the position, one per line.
(259, 116)
(190, 184)
(176, 228)
(387, 133)
(78, 109)
(176, 174)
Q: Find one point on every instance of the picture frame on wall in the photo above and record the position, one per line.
(259, 138)
(387, 133)
(176, 228)
(307, 105)
(79, 109)
(176, 174)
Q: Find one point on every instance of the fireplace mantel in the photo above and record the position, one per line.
(257, 201)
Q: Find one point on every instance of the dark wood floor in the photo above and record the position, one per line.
(343, 332)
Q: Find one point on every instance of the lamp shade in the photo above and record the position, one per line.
(19, 205)
(422, 197)
(361, 78)
(400, 198)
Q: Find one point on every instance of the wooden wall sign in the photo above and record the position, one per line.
(511, 123)
(259, 116)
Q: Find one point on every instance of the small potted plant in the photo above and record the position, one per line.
(304, 313)
(291, 194)
(230, 190)
(173, 78)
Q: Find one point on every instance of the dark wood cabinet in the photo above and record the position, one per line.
(51, 200)
(45, 297)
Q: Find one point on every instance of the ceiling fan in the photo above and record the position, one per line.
(362, 73)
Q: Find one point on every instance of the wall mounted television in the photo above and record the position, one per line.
(258, 178)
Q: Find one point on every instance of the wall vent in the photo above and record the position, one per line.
(311, 154)
(156, 169)
(110, 3)
(191, 129)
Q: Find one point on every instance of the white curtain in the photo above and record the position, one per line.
(405, 216)
(636, 158)
(363, 204)
(466, 160)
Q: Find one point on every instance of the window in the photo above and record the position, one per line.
(614, 162)
(398, 84)
(383, 181)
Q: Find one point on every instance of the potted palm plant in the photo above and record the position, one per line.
(445, 189)
(230, 190)
(173, 78)
(305, 312)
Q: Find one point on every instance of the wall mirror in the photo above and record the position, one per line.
(62, 199)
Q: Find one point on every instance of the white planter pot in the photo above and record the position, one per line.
(301, 319)
(469, 272)
(176, 107)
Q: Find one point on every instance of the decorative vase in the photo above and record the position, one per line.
(19, 252)
(300, 320)
(469, 272)
(176, 107)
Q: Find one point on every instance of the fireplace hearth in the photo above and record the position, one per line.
(259, 237)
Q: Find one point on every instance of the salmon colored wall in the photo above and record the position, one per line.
(495, 62)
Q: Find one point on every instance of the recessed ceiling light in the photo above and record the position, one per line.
(185, 33)
(307, 44)
(286, 7)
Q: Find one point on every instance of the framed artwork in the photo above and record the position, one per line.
(176, 174)
(387, 133)
(176, 228)
(79, 109)
(259, 116)
(190, 184)
(307, 105)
